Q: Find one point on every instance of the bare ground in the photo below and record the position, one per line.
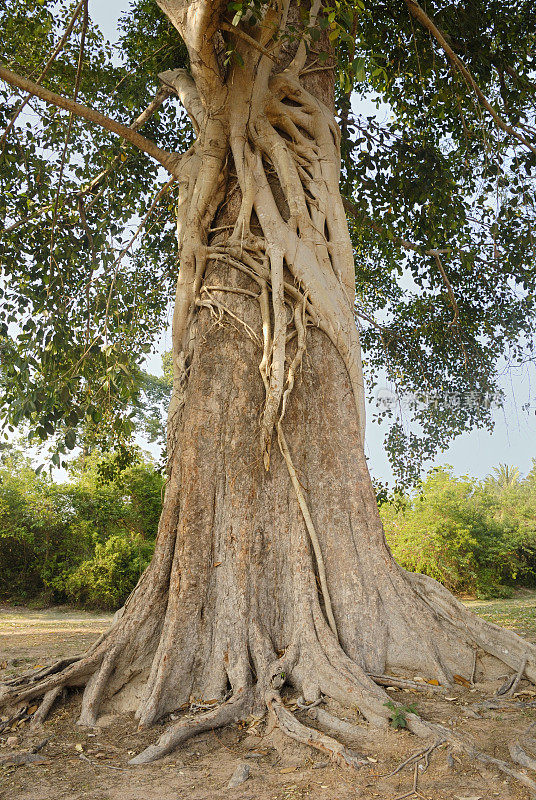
(92, 763)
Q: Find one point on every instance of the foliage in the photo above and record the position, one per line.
(398, 716)
(106, 579)
(505, 476)
(86, 540)
(78, 314)
(472, 537)
(432, 171)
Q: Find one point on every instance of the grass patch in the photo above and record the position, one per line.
(517, 613)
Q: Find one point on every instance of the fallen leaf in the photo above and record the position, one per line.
(286, 770)
(433, 682)
(38, 666)
(451, 699)
(217, 563)
(32, 709)
(374, 760)
(79, 748)
(462, 681)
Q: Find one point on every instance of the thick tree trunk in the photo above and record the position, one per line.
(271, 566)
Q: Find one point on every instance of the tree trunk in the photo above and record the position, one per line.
(271, 565)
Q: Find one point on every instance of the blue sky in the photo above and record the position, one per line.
(513, 440)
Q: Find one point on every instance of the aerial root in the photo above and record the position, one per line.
(232, 710)
(508, 688)
(288, 723)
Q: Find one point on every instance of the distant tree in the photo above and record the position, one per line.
(505, 476)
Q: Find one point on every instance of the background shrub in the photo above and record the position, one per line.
(86, 540)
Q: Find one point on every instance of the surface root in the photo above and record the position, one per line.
(338, 753)
(233, 709)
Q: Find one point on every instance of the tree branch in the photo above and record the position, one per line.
(421, 16)
(168, 160)
(437, 255)
(162, 94)
(198, 22)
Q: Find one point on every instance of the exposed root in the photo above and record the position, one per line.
(237, 707)
(96, 688)
(421, 755)
(518, 754)
(46, 705)
(332, 724)
(288, 723)
(413, 791)
(76, 674)
(422, 728)
(403, 683)
(33, 676)
(510, 686)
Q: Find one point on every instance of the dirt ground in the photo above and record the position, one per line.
(92, 763)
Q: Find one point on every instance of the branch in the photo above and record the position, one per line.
(437, 255)
(168, 160)
(30, 218)
(352, 209)
(85, 24)
(198, 22)
(162, 94)
(421, 16)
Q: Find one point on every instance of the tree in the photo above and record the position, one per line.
(505, 476)
(271, 565)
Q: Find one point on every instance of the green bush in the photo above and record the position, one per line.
(106, 579)
(454, 530)
(84, 540)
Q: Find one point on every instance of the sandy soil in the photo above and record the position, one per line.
(92, 763)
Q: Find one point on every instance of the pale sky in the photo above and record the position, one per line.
(513, 440)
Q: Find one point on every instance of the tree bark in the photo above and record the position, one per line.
(271, 565)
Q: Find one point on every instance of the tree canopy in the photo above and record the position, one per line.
(438, 185)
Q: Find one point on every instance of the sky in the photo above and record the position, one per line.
(513, 440)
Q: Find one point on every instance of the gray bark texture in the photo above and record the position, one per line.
(271, 566)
